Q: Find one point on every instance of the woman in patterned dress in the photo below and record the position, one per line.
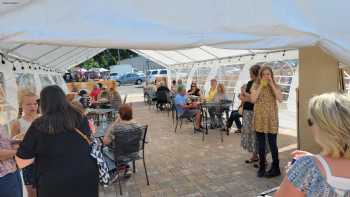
(248, 133)
(265, 94)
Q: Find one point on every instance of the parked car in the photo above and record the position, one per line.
(114, 76)
(131, 78)
(153, 74)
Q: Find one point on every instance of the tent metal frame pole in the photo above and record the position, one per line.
(64, 54)
(235, 56)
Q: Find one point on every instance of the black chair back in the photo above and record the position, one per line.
(162, 96)
(128, 144)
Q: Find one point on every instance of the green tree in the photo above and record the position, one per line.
(106, 58)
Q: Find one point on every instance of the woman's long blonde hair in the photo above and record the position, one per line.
(331, 113)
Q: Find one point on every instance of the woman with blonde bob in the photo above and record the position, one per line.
(326, 174)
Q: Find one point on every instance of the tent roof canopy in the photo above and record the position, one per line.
(56, 57)
(61, 34)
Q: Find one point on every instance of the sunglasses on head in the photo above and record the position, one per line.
(310, 122)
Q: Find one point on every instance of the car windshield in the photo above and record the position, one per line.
(163, 72)
(154, 72)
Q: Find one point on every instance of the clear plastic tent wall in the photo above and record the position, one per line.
(233, 73)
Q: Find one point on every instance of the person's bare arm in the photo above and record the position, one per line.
(287, 189)
(22, 163)
(6, 154)
(15, 128)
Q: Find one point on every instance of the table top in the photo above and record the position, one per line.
(213, 104)
(99, 111)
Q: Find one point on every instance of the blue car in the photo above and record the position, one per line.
(131, 78)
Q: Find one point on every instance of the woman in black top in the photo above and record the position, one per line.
(63, 164)
(194, 90)
(248, 133)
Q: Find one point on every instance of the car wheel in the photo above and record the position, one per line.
(138, 82)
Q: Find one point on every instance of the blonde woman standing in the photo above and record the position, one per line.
(326, 174)
(27, 114)
(265, 94)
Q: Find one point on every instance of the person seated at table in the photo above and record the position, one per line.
(162, 95)
(124, 123)
(210, 98)
(194, 90)
(83, 98)
(179, 83)
(327, 173)
(237, 114)
(103, 94)
(95, 92)
(219, 98)
(114, 98)
(187, 110)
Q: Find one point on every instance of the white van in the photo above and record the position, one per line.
(154, 73)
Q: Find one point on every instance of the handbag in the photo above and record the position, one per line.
(96, 152)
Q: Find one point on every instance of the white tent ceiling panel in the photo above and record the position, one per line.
(7, 46)
(61, 52)
(159, 57)
(75, 60)
(74, 54)
(175, 55)
(91, 53)
(178, 25)
(31, 51)
(197, 54)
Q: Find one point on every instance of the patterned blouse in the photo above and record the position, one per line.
(6, 166)
(265, 117)
(305, 175)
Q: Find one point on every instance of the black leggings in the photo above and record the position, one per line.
(261, 139)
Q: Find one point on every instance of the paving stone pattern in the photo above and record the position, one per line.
(181, 164)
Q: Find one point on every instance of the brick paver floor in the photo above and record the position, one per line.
(181, 164)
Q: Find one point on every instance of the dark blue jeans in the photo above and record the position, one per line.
(11, 185)
(234, 116)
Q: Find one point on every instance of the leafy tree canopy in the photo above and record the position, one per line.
(106, 58)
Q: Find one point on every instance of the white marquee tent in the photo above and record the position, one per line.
(54, 35)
